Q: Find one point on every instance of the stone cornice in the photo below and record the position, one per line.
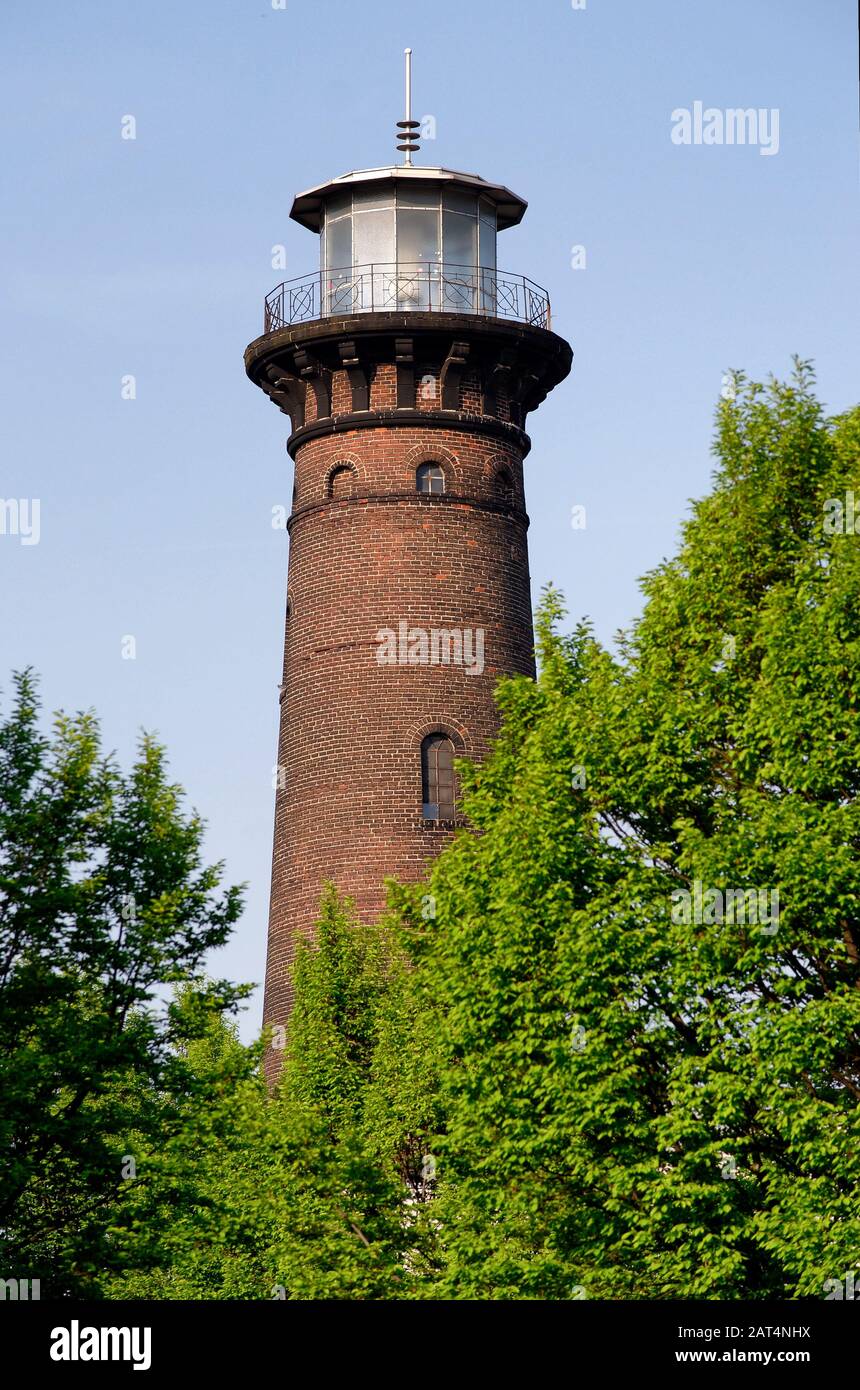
(413, 419)
(515, 366)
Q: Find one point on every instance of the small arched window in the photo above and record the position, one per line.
(437, 778)
(429, 478)
(505, 486)
(341, 481)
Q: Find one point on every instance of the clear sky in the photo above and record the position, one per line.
(151, 257)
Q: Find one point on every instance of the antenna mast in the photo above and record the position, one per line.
(407, 136)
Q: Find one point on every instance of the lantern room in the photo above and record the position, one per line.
(406, 237)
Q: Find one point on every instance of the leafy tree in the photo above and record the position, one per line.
(104, 902)
(640, 1103)
(282, 1196)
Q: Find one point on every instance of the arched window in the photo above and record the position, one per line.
(437, 777)
(429, 478)
(341, 481)
(505, 486)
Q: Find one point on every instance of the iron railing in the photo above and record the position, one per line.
(429, 287)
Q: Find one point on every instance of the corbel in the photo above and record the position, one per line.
(357, 374)
(404, 359)
(286, 392)
(452, 374)
(318, 378)
(496, 378)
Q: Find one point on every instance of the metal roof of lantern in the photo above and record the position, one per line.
(307, 207)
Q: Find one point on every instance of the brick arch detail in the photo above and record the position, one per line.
(498, 463)
(346, 461)
(441, 724)
(495, 466)
(433, 453)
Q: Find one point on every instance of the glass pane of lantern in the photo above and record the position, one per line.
(338, 204)
(366, 199)
(338, 243)
(417, 258)
(417, 236)
(373, 250)
(487, 244)
(373, 237)
(460, 256)
(339, 290)
(426, 197)
(457, 201)
(487, 258)
(458, 240)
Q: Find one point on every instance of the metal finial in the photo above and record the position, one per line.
(406, 130)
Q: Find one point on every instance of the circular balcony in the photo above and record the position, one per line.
(398, 287)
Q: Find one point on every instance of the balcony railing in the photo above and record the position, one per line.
(428, 287)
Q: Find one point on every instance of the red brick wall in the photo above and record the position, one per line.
(375, 553)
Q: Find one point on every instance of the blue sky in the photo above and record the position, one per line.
(151, 257)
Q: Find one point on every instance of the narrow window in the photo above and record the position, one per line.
(341, 483)
(429, 478)
(437, 777)
(505, 486)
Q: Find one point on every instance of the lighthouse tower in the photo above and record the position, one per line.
(408, 364)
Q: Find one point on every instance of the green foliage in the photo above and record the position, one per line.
(639, 1105)
(283, 1196)
(581, 1061)
(104, 901)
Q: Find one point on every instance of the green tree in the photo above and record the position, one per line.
(104, 905)
(640, 1103)
(282, 1196)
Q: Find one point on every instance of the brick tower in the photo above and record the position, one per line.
(408, 365)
